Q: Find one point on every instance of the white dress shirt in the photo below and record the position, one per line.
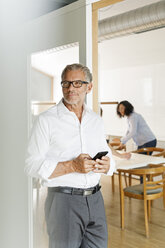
(58, 136)
(138, 130)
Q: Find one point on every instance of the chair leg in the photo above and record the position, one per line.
(125, 178)
(149, 209)
(122, 209)
(164, 200)
(121, 202)
(150, 178)
(164, 189)
(146, 218)
(130, 180)
(113, 183)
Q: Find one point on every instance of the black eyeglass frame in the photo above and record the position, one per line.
(72, 82)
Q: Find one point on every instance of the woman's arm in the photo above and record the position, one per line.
(125, 155)
(132, 129)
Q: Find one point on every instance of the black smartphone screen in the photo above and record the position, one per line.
(99, 155)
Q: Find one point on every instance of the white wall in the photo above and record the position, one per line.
(133, 68)
(16, 45)
(53, 63)
(40, 86)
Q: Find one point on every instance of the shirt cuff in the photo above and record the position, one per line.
(47, 169)
(123, 141)
(112, 167)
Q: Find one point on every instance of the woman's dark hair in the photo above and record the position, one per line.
(128, 108)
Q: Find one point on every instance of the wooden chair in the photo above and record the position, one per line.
(147, 150)
(115, 145)
(160, 152)
(149, 190)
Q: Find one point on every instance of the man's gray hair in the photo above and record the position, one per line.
(72, 67)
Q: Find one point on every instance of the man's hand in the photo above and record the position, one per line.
(102, 165)
(83, 164)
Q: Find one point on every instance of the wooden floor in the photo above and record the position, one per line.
(134, 233)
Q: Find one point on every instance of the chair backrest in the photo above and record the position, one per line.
(153, 185)
(156, 186)
(147, 150)
(150, 172)
(160, 154)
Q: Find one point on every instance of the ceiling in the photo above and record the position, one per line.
(59, 3)
(18, 11)
(122, 7)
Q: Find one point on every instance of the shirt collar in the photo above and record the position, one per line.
(63, 110)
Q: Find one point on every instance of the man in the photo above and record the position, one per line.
(62, 143)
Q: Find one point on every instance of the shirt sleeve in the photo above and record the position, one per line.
(105, 147)
(37, 163)
(132, 129)
(112, 164)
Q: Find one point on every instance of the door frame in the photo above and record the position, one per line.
(95, 7)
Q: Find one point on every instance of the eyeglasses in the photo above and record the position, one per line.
(76, 84)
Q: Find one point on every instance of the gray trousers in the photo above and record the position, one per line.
(75, 221)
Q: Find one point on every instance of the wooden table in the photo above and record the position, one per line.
(137, 160)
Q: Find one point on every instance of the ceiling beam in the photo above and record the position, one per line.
(104, 3)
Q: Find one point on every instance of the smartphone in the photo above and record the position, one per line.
(99, 155)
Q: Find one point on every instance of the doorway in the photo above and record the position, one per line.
(45, 92)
